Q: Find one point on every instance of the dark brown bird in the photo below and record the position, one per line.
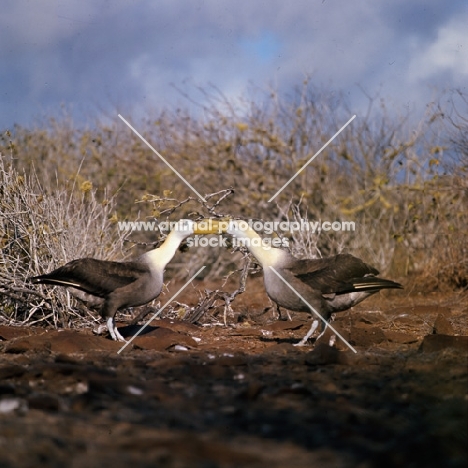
(118, 285)
(329, 285)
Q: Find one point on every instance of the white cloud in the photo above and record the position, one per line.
(97, 52)
(447, 53)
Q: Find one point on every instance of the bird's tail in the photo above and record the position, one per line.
(372, 283)
(46, 279)
(36, 279)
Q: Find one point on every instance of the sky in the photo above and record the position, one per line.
(96, 56)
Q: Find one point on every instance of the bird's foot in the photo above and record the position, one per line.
(303, 342)
(99, 330)
(311, 331)
(119, 337)
(114, 333)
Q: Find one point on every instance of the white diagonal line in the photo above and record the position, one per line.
(160, 310)
(312, 158)
(161, 157)
(313, 310)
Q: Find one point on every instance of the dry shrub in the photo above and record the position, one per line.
(41, 230)
(402, 183)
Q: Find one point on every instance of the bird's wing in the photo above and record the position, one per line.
(333, 274)
(97, 277)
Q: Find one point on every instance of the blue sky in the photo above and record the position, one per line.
(96, 56)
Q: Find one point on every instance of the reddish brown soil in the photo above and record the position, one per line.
(243, 395)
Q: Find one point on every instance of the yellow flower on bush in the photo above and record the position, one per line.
(242, 126)
(86, 186)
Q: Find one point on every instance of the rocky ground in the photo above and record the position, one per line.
(183, 395)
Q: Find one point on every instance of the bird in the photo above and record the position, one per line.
(328, 285)
(117, 285)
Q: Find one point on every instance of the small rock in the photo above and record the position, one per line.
(442, 326)
(132, 390)
(9, 405)
(284, 325)
(366, 336)
(180, 348)
(78, 388)
(369, 318)
(434, 343)
(402, 338)
(161, 339)
(404, 319)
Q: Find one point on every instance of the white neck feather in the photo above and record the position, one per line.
(265, 254)
(158, 258)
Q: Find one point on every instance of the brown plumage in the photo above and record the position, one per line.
(118, 285)
(329, 285)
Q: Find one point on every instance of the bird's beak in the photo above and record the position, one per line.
(211, 226)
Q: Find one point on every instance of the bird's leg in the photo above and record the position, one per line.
(313, 327)
(116, 336)
(332, 338)
(278, 311)
(324, 329)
